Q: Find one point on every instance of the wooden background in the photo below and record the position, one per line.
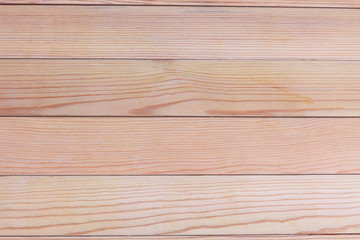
(180, 119)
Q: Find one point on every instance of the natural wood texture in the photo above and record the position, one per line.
(271, 3)
(170, 87)
(179, 32)
(241, 237)
(178, 146)
(214, 237)
(92, 60)
(169, 205)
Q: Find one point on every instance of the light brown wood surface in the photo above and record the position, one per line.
(179, 87)
(269, 3)
(179, 146)
(235, 158)
(213, 237)
(197, 205)
(178, 32)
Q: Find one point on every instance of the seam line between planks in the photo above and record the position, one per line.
(180, 59)
(175, 116)
(200, 235)
(175, 175)
(167, 5)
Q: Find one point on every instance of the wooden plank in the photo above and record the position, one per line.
(179, 32)
(168, 205)
(267, 3)
(179, 145)
(247, 237)
(173, 88)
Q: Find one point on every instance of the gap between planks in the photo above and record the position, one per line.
(251, 3)
(170, 5)
(196, 237)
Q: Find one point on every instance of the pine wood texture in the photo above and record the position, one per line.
(178, 32)
(179, 206)
(213, 237)
(179, 87)
(179, 146)
(271, 3)
(112, 173)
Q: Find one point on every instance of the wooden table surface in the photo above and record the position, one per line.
(180, 119)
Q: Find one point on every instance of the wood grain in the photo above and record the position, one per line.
(179, 145)
(178, 32)
(197, 205)
(271, 3)
(179, 87)
(213, 237)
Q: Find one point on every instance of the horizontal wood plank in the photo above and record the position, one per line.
(179, 87)
(179, 145)
(178, 32)
(213, 237)
(167, 205)
(272, 3)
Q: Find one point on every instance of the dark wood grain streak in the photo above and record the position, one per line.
(178, 87)
(179, 205)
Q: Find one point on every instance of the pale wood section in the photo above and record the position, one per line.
(178, 87)
(241, 237)
(179, 32)
(179, 145)
(169, 205)
(269, 3)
